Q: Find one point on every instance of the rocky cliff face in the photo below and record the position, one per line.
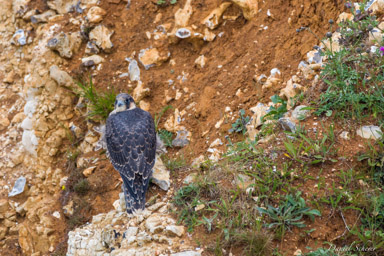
(208, 60)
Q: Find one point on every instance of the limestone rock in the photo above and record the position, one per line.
(377, 7)
(200, 61)
(133, 69)
(4, 122)
(61, 77)
(152, 57)
(344, 16)
(4, 205)
(160, 175)
(287, 124)
(96, 14)
(249, 7)
(19, 117)
(65, 44)
(140, 92)
(335, 46)
(172, 124)
(19, 38)
(62, 6)
(299, 113)
(182, 16)
(154, 224)
(43, 17)
(25, 240)
(370, 132)
(89, 171)
(290, 91)
(173, 230)
(214, 18)
(345, 135)
(101, 36)
(92, 60)
(182, 139)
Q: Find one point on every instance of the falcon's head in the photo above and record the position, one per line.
(124, 102)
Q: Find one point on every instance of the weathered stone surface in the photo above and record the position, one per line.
(92, 60)
(173, 230)
(4, 205)
(87, 172)
(101, 36)
(62, 6)
(140, 92)
(65, 44)
(43, 17)
(160, 175)
(377, 7)
(61, 77)
(370, 132)
(287, 124)
(214, 18)
(290, 91)
(249, 7)
(96, 14)
(152, 57)
(200, 61)
(182, 139)
(299, 113)
(4, 122)
(182, 16)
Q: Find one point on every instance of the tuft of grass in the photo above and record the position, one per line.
(99, 104)
(255, 242)
(288, 214)
(166, 137)
(173, 164)
(82, 187)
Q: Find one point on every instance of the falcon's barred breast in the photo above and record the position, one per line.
(131, 144)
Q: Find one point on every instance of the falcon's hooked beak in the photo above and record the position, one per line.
(120, 104)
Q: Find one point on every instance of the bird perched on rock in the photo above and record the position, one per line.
(131, 145)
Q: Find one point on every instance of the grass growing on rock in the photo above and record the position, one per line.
(353, 72)
(99, 104)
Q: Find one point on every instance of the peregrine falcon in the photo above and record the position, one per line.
(131, 145)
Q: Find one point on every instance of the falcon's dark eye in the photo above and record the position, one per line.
(127, 101)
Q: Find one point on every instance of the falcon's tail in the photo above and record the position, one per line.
(134, 193)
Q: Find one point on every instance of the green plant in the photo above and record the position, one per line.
(274, 112)
(99, 105)
(82, 187)
(314, 151)
(240, 124)
(165, 2)
(166, 137)
(374, 157)
(289, 213)
(352, 73)
(159, 115)
(173, 164)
